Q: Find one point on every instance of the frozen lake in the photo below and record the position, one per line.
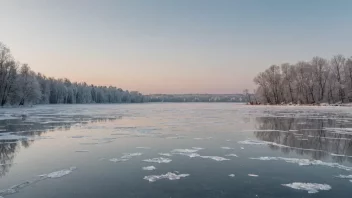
(177, 150)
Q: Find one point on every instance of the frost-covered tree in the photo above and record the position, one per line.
(310, 82)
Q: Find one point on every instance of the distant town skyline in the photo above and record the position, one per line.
(172, 47)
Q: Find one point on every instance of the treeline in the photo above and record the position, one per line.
(307, 82)
(197, 98)
(19, 85)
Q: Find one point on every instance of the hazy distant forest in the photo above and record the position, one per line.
(19, 85)
(312, 82)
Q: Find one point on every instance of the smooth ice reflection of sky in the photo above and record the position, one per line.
(93, 137)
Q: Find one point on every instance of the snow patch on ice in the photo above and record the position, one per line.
(169, 175)
(158, 160)
(309, 187)
(149, 168)
(306, 162)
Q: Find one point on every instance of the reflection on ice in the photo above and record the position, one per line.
(169, 175)
(305, 162)
(310, 187)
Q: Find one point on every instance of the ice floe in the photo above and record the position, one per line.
(142, 147)
(344, 176)
(242, 148)
(118, 160)
(309, 187)
(226, 148)
(130, 155)
(60, 173)
(169, 175)
(216, 158)
(231, 155)
(185, 150)
(165, 154)
(306, 162)
(259, 142)
(197, 148)
(232, 175)
(149, 168)
(158, 160)
(253, 175)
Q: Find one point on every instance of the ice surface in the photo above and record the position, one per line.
(158, 160)
(216, 158)
(165, 154)
(253, 175)
(231, 155)
(306, 162)
(345, 176)
(60, 173)
(81, 151)
(169, 175)
(149, 168)
(232, 175)
(310, 187)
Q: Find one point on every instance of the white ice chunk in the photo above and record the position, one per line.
(253, 175)
(149, 168)
(184, 150)
(191, 155)
(118, 160)
(130, 155)
(158, 160)
(310, 187)
(169, 175)
(345, 176)
(165, 154)
(216, 158)
(231, 155)
(60, 173)
(232, 175)
(306, 162)
(226, 148)
(197, 148)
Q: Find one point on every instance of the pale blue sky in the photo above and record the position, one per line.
(180, 46)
